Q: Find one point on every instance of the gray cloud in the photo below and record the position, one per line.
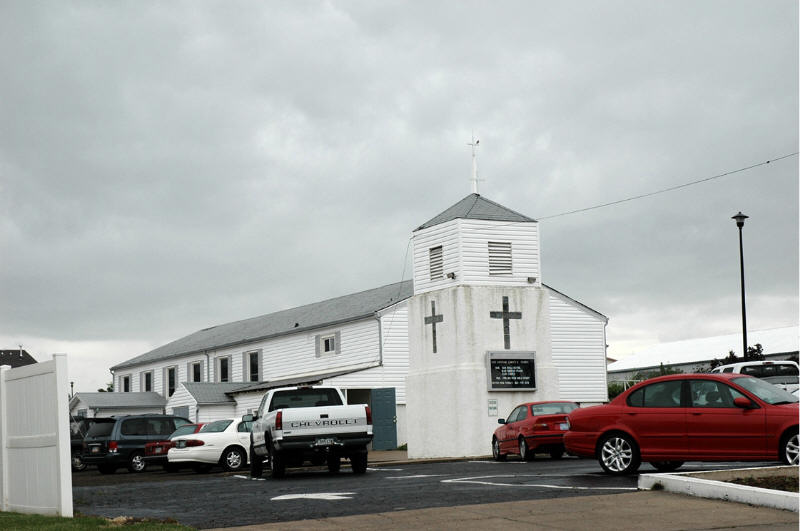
(164, 167)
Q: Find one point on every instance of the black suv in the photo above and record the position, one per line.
(112, 443)
(78, 428)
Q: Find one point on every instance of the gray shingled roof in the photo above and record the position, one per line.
(313, 379)
(331, 312)
(120, 400)
(475, 206)
(206, 393)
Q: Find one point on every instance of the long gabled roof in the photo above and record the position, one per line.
(474, 206)
(209, 393)
(347, 308)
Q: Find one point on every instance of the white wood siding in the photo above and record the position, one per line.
(579, 352)
(212, 413)
(247, 402)
(446, 235)
(182, 397)
(465, 245)
(283, 357)
(393, 370)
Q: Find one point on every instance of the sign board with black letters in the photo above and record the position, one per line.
(511, 370)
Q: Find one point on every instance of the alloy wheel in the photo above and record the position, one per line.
(617, 454)
(792, 450)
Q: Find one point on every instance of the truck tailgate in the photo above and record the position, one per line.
(325, 420)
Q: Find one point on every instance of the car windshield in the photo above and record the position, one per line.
(765, 391)
(186, 429)
(216, 426)
(554, 408)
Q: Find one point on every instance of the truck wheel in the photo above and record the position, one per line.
(277, 463)
(334, 463)
(256, 464)
(358, 462)
(136, 462)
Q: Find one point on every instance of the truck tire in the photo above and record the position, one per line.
(256, 464)
(277, 462)
(334, 463)
(358, 462)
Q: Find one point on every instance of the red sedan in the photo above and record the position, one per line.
(533, 427)
(156, 452)
(688, 417)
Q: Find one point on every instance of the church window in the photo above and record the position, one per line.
(125, 382)
(329, 344)
(171, 380)
(224, 366)
(500, 258)
(146, 381)
(197, 375)
(253, 365)
(435, 255)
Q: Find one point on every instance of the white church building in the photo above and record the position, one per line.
(438, 358)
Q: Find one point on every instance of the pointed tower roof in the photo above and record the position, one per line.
(475, 207)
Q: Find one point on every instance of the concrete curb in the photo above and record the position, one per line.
(688, 483)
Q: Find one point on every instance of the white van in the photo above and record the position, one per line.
(784, 374)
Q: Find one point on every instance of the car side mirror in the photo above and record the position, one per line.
(501, 421)
(742, 402)
(248, 418)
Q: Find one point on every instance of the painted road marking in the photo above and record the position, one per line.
(316, 496)
(417, 476)
(248, 477)
(484, 480)
(385, 469)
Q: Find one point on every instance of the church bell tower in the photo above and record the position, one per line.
(479, 327)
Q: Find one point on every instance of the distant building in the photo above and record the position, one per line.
(15, 358)
(115, 404)
(696, 355)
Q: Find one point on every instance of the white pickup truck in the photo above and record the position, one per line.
(296, 425)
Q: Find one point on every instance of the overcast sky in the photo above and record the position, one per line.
(167, 166)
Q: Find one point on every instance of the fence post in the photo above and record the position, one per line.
(3, 440)
(64, 459)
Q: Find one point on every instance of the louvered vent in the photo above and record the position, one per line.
(499, 258)
(436, 262)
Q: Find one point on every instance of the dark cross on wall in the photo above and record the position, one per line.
(432, 320)
(505, 315)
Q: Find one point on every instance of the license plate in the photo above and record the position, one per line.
(563, 426)
(158, 449)
(95, 450)
(325, 442)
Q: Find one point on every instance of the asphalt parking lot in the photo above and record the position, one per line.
(234, 499)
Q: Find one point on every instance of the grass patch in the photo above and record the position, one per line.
(402, 447)
(14, 521)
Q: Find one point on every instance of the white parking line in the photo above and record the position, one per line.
(386, 469)
(248, 477)
(417, 476)
(316, 496)
(477, 481)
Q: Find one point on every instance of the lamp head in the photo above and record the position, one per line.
(740, 219)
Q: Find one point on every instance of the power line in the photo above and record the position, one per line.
(670, 189)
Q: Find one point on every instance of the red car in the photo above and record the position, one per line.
(156, 452)
(533, 427)
(688, 417)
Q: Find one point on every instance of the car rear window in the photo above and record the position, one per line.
(553, 409)
(101, 429)
(216, 427)
(186, 429)
(305, 398)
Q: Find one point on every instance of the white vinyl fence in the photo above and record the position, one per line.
(35, 468)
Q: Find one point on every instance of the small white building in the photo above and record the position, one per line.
(478, 260)
(88, 405)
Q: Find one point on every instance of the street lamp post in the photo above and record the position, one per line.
(740, 223)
